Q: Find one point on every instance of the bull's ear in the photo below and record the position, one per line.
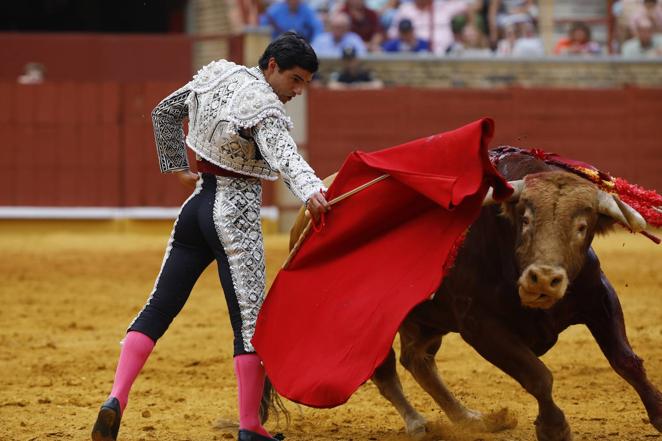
(517, 190)
(507, 207)
(604, 225)
(508, 210)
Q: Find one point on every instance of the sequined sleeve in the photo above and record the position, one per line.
(167, 119)
(280, 152)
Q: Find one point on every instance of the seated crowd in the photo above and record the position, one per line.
(455, 27)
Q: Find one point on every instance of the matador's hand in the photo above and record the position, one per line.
(187, 178)
(317, 205)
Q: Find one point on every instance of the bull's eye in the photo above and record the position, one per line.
(525, 220)
(582, 228)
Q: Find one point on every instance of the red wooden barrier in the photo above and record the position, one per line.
(83, 144)
(91, 144)
(617, 130)
(98, 57)
(106, 57)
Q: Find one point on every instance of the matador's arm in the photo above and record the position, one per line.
(280, 151)
(167, 119)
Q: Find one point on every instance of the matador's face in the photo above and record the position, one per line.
(287, 83)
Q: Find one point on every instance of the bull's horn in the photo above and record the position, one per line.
(517, 185)
(636, 220)
(610, 205)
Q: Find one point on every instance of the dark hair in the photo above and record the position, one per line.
(348, 53)
(290, 50)
(580, 26)
(405, 25)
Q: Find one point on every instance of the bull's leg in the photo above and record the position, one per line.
(506, 351)
(387, 381)
(418, 351)
(605, 321)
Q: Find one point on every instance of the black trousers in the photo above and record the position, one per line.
(195, 242)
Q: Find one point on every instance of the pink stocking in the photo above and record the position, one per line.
(250, 380)
(134, 354)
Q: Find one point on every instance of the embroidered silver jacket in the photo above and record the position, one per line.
(237, 122)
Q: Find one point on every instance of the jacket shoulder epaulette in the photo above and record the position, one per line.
(254, 101)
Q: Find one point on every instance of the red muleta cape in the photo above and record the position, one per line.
(330, 318)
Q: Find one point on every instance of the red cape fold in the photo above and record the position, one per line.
(330, 318)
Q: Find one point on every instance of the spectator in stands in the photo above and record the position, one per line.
(431, 20)
(339, 37)
(33, 73)
(292, 15)
(650, 10)
(645, 44)
(471, 43)
(406, 41)
(578, 41)
(323, 8)
(529, 43)
(502, 13)
(506, 45)
(352, 75)
(521, 40)
(364, 22)
(385, 10)
(624, 11)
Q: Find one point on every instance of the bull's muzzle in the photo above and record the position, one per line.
(541, 286)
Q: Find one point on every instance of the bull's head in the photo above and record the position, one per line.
(556, 215)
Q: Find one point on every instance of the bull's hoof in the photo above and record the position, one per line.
(491, 422)
(416, 428)
(556, 432)
(654, 410)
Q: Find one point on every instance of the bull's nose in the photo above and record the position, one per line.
(542, 284)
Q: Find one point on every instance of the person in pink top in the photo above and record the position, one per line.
(431, 20)
(650, 10)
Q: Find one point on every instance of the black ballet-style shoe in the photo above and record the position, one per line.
(247, 435)
(108, 421)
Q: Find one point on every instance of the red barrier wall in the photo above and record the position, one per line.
(91, 144)
(85, 144)
(617, 130)
(98, 57)
(82, 144)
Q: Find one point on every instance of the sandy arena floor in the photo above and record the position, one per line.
(69, 290)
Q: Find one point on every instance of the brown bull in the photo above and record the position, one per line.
(525, 272)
